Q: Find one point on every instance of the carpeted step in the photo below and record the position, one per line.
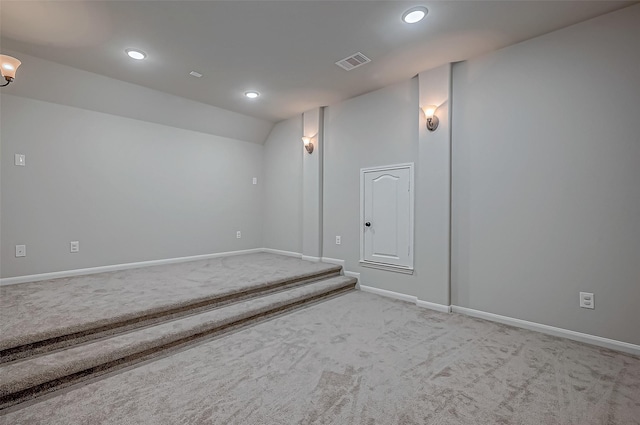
(26, 379)
(23, 346)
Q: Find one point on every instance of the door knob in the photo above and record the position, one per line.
(368, 224)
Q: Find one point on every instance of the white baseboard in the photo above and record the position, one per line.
(434, 306)
(310, 258)
(550, 330)
(389, 294)
(125, 266)
(409, 298)
(116, 267)
(333, 261)
(281, 252)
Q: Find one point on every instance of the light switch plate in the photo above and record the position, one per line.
(255, 180)
(21, 160)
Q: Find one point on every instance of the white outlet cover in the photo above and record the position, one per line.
(21, 250)
(587, 300)
(255, 180)
(75, 246)
(21, 160)
(338, 240)
(238, 234)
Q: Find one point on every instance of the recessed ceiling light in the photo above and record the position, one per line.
(195, 74)
(251, 94)
(136, 54)
(415, 14)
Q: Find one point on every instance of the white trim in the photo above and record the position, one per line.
(125, 266)
(404, 297)
(116, 267)
(434, 306)
(363, 171)
(551, 330)
(310, 258)
(280, 252)
(333, 261)
(387, 267)
(388, 167)
(389, 294)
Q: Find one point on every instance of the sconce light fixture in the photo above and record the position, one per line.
(8, 65)
(432, 119)
(307, 144)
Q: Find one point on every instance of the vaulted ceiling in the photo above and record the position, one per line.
(286, 50)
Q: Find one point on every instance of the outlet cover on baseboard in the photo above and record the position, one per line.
(586, 300)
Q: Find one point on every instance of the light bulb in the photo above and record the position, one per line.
(429, 111)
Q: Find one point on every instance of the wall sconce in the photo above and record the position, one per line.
(8, 66)
(307, 144)
(432, 120)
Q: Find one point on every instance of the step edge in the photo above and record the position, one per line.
(71, 341)
(124, 320)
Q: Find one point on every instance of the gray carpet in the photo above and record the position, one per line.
(36, 311)
(128, 347)
(362, 359)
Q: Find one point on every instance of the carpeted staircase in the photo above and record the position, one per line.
(34, 365)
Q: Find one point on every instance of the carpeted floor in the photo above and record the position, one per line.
(39, 310)
(362, 359)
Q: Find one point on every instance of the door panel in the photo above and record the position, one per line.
(387, 211)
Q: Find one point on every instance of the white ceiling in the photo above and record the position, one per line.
(284, 49)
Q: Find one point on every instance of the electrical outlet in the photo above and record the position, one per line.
(338, 240)
(21, 250)
(587, 300)
(238, 234)
(255, 180)
(75, 246)
(20, 160)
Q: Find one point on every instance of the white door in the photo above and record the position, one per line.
(387, 216)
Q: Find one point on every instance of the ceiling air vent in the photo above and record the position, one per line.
(353, 61)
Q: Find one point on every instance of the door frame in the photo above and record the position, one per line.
(383, 266)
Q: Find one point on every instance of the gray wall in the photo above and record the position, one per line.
(378, 128)
(433, 188)
(546, 178)
(128, 190)
(282, 212)
(312, 184)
